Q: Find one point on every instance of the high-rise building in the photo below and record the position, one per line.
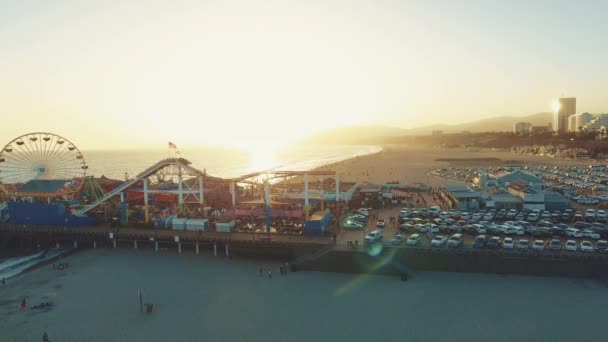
(577, 121)
(561, 117)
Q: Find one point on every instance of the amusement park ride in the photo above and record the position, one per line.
(48, 169)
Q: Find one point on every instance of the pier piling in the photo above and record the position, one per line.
(197, 248)
(75, 244)
(94, 244)
(214, 249)
(57, 245)
(135, 244)
(179, 247)
(156, 246)
(114, 242)
(227, 253)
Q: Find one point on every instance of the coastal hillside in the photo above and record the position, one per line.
(377, 134)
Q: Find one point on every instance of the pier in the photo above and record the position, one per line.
(312, 253)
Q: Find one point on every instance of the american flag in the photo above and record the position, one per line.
(172, 145)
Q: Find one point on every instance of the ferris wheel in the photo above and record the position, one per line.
(41, 156)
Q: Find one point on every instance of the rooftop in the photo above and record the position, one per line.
(457, 188)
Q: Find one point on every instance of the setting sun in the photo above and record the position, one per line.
(262, 157)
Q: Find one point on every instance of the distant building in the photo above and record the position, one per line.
(561, 118)
(578, 121)
(505, 178)
(436, 132)
(461, 197)
(556, 201)
(523, 128)
(532, 198)
(541, 129)
(502, 199)
(596, 124)
(572, 123)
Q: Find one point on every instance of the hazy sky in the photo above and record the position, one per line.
(117, 73)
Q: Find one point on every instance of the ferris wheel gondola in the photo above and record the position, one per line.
(42, 156)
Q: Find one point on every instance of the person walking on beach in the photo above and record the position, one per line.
(45, 337)
(3, 282)
(23, 305)
(261, 270)
(270, 274)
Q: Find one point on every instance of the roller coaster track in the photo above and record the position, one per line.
(146, 173)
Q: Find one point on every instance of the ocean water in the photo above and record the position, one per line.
(222, 162)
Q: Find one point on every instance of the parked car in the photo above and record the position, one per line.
(532, 217)
(523, 244)
(601, 246)
(538, 245)
(573, 232)
(413, 240)
(374, 236)
(406, 227)
(586, 246)
(555, 244)
(480, 229)
(488, 217)
(543, 231)
(438, 241)
(353, 224)
(582, 225)
(477, 216)
(465, 216)
(380, 223)
(601, 215)
(494, 242)
(590, 214)
(571, 246)
(480, 241)
(507, 243)
(397, 239)
(456, 240)
(591, 234)
(511, 214)
(545, 215)
(425, 228)
(494, 229)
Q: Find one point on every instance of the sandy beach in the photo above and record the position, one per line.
(407, 164)
(200, 298)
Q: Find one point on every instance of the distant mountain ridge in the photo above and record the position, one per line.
(366, 134)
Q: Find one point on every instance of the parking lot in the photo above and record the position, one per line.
(552, 226)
